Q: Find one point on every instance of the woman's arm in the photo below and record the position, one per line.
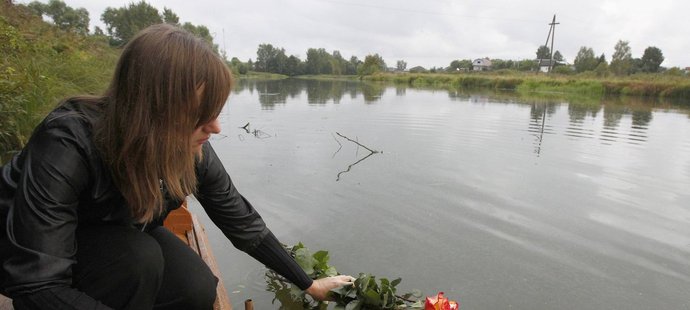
(240, 222)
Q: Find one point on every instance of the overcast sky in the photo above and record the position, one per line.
(433, 32)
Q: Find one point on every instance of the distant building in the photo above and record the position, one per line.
(481, 64)
(544, 64)
(418, 69)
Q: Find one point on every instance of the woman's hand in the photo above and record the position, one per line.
(320, 288)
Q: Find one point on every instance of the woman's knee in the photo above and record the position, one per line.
(144, 258)
(201, 293)
(118, 256)
(197, 292)
(120, 266)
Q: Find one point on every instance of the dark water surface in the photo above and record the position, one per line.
(502, 202)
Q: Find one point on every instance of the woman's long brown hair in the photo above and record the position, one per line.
(167, 83)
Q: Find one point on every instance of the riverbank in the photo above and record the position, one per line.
(656, 86)
(40, 66)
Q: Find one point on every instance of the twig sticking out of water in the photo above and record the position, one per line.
(355, 142)
(246, 127)
(371, 152)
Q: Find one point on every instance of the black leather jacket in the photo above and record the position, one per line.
(59, 182)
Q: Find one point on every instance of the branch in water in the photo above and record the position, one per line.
(350, 166)
(355, 142)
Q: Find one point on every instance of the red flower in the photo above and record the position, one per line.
(439, 302)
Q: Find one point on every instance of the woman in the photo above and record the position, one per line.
(81, 206)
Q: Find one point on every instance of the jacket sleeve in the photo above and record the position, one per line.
(41, 223)
(231, 212)
(238, 220)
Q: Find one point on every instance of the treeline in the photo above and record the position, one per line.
(121, 23)
(319, 61)
(622, 63)
(271, 59)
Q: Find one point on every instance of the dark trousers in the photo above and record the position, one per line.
(128, 269)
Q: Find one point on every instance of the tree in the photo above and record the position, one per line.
(543, 52)
(621, 61)
(585, 60)
(401, 65)
(499, 64)
(527, 65)
(200, 31)
(456, 65)
(602, 59)
(266, 58)
(169, 17)
(318, 61)
(558, 57)
(602, 69)
(123, 23)
(338, 63)
(294, 66)
(372, 64)
(98, 31)
(352, 65)
(652, 59)
(63, 16)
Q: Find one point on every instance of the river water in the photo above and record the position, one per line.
(499, 200)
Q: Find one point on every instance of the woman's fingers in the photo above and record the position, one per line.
(320, 288)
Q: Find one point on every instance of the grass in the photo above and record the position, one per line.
(646, 85)
(41, 65)
(329, 77)
(254, 75)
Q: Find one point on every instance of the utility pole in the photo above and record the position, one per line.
(553, 32)
(549, 37)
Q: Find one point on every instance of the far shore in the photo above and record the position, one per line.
(644, 85)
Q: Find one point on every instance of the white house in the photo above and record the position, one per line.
(481, 64)
(544, 64)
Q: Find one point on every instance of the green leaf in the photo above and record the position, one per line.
(331, 271)
(321, 257)
(366, 293)
(354, 305)
(363, 281)
(372, 297)
(305, 260)
(296, 293)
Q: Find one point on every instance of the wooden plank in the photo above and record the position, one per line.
(222, 299)
(187, 227)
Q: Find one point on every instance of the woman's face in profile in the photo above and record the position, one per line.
(202, 133)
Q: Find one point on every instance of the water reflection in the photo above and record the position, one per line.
(624, 119)
(537, 125)
(318, 92)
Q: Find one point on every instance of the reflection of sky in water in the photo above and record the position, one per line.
(498, 199)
